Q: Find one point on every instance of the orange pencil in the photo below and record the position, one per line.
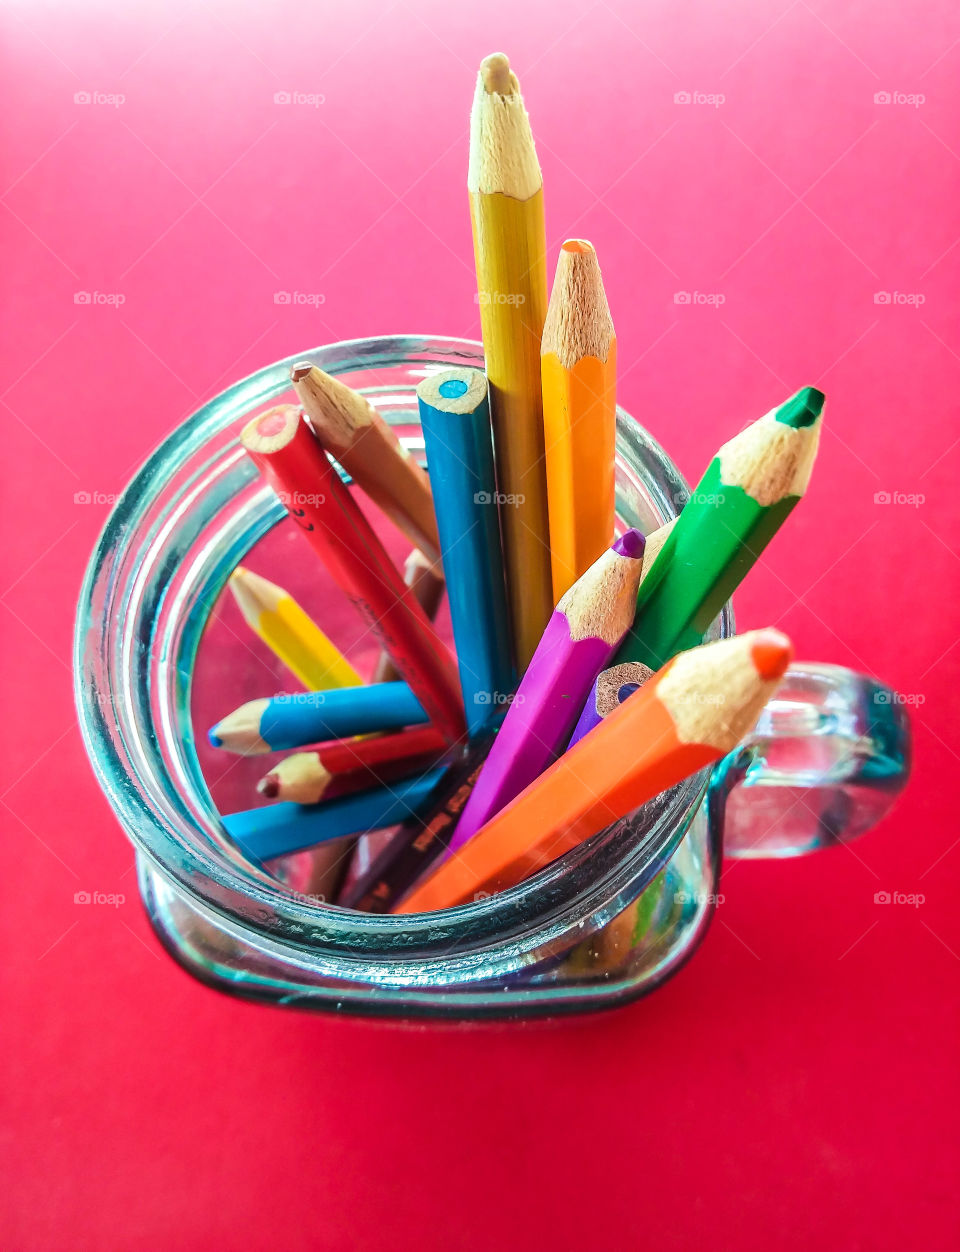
(578, 367)
(688, 715)
(353, 431)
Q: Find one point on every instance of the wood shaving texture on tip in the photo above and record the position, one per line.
(617, 676)
(336, 410)
(714, 693)
(769, 459)
(578, 318)
(502, 153)
(601, 603)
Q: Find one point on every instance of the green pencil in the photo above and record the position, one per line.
(742, 500)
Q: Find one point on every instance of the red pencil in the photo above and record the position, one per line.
(289, 456)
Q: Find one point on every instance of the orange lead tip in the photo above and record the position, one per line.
(576, 245)
(771, 654)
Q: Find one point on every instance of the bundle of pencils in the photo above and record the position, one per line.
(581, 685)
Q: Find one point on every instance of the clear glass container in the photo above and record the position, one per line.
(604, 924)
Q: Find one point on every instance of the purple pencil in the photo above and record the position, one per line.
(582, 635)
(609, 692)
(613, 685)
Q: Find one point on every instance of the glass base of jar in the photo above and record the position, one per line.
(623, 958)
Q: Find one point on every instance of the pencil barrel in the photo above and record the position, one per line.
(460, 461)
(510, 249)
(294, 721)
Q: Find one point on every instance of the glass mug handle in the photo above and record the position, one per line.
(825, 762)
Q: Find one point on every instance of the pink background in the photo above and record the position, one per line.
(797, 1081)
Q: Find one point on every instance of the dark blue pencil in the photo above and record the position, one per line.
(456, 431)
(293, 721)
(280, 829)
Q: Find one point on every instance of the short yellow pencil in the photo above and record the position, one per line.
(509, 237)
(578, 363)
(290, 634)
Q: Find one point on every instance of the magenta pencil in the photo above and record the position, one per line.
(582, 635)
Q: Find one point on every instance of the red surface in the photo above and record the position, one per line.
(797, 1083)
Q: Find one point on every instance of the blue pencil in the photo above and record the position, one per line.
(456, 430)
(264, 833)
(293, 721)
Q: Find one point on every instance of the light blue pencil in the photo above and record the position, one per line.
(280, 829)
(456, 431)
(306, 717)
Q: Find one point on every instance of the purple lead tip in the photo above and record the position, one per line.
(631, 543)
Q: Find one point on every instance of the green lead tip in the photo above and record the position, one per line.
(803, 409)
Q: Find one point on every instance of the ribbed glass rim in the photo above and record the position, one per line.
(482, 939)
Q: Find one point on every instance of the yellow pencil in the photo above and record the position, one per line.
(578, 362)
(290, 634)
(509, 238)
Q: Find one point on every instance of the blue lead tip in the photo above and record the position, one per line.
(215, 740)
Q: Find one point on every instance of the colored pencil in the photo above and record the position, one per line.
(425, 580)
(510, 246)
(580, 638)
(687, 716)
(578, 366)
(745, 495)
(348, 764)
(289, 633)
(420, 840)
(609, 692)
(279, 829)
(354, 432)
(291, 459)
(455, 419)
(590, 714)
(291, 721)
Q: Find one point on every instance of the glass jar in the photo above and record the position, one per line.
(825, 762)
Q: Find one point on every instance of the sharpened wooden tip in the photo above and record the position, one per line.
(496, 75)
(771, 653)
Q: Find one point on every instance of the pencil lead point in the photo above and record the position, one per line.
(631, 544)
(269, 787)
(771, 652)
(803, 409)
(215, 740)
(300, 371)
(497, 76)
